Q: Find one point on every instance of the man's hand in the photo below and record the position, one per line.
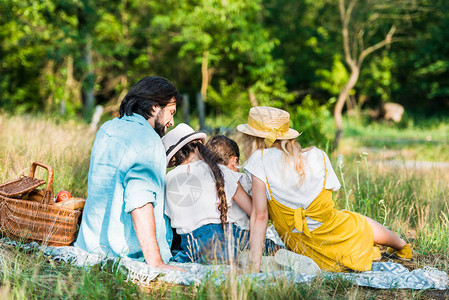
(145, 228)
(163, 266)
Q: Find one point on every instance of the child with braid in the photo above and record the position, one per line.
(227, 153)
(199, 192)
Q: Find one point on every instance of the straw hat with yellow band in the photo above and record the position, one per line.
(269, 123)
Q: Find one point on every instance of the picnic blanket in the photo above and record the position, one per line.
(383, 275)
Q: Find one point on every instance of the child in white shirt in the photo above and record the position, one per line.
(226, 152)
(199, 193)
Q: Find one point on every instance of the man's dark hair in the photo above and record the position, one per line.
(147, 92)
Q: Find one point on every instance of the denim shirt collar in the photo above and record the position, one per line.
(137, 118)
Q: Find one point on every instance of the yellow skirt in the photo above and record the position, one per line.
(344, 240)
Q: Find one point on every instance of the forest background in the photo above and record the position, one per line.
(64, 57)
(331, 64)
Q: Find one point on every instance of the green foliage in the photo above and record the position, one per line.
(307, 40)
(333, 80)
(41, 44)
(378, 80)
(22, 49)
(226, 96)
(308, 118)
(235, 45)
(274, 51)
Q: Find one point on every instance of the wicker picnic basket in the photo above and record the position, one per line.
(39, 221)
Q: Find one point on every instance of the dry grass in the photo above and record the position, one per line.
(413, 202)
(65, 146)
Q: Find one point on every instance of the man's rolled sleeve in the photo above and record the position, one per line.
(142, 186)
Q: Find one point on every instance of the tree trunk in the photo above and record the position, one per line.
(186, 109)
(344, 94)
(253, 99)
(205, 74)
(201, 110)
(355, 53)
(48, 71)
(72, 89)
(88, 85)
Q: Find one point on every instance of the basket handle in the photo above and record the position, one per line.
(48, 191)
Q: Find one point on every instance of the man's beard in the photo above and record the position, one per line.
(159, 127)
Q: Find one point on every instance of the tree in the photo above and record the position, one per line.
(227, 40)
(367, 26)
(422, 69)
(305, 44)
(25, 39)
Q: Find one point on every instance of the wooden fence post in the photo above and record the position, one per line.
(186, 108)
(201, 112)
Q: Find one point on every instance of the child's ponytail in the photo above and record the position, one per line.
(208, 157)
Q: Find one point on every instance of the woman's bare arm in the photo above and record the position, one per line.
(258, 223)
(243, 199)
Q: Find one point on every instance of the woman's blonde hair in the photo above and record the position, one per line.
(291, 148)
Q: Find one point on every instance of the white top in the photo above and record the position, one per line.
(246, 183)
(236, 214)
(239, 217)
(283, 178)
(191, 196)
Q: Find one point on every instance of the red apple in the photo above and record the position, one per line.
(63, 195)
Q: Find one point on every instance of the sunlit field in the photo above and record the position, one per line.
(383, 176)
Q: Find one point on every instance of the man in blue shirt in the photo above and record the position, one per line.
(124, 211)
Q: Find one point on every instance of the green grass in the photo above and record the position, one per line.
(412, 202)
(421, 140)
(30, 274)
(405, 200)
(432, 129)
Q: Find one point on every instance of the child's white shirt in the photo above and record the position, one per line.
(236, 214)
(191, 196)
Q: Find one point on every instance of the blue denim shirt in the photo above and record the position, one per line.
(127, 170)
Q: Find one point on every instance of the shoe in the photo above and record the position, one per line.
(296, 262)
(267, 264)
(405, 253)
(376, 254)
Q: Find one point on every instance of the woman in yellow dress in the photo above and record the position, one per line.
(298, 185)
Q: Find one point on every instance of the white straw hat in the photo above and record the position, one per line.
(178, 137)
(269, 123)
